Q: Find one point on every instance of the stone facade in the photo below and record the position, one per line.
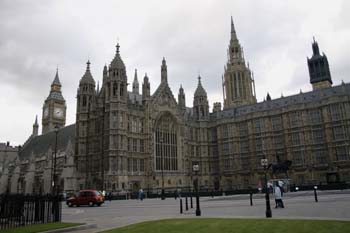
(125, 140)
(8, 161)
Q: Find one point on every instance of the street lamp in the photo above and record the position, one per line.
(162, 163)
(53, 178)
(198, 209)
(264, 163)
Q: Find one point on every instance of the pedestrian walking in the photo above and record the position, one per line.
(141, 194)
(278, 196)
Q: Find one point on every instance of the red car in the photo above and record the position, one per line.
(86, 197)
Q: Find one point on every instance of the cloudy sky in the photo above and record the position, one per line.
(37, 36)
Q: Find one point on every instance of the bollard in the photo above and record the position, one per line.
(186, 204)
(251, 198)
(191, 203)
(315, 193)
(180, 205)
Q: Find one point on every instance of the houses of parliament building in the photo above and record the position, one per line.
(126, 140)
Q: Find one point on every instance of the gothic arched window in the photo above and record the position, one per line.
(115, 88)
(84, 101)
(166, 144)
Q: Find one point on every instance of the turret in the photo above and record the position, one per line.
(320, 75)
(86, 90)
(200, 102)
(238, 83)
(117, 85)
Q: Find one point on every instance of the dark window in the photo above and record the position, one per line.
(115, 89)
(84, 101)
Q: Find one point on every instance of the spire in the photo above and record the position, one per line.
(105, 69)
(135, 84)
(118, 46)
(146, 91)
(135, 76)
(238, 84)
(233, 31)
(56, 81)
(268, 97)
(315, 49)
(200, 90)
(164, 72)
(35, 127)
(88, 65)
(87, 77)
(36, 120)
(182, 99)
(232, 26)
(117, 62)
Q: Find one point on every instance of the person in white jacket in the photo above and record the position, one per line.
(278, 196)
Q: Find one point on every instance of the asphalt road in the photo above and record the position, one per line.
(300, 205)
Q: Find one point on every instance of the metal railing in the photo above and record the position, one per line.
(22, 210)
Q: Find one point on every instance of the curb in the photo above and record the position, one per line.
(75, 228)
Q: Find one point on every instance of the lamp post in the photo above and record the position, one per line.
(198, 209)
(162, 164)
(53, 178)
(264, 163)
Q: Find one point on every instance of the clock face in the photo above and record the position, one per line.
(46, 112)
(58, 112)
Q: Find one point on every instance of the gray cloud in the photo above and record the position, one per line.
(36, 36)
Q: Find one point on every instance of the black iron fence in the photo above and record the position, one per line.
(21, 210)
(211, 193)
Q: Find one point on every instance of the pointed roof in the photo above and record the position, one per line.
(56, 80)
(315, 49)
(268, 97)
(135, 77)
(164, 75)
(181, 90)
(55, 92)
(232, 26)
(36, 121)
(233, 31)
(145, 79)
(105, 69)
(87, 77)
(117, 62)
(200, 90)
(135, 84)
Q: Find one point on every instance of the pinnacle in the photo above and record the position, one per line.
(232, 26)
(118, 46)
(56, 81)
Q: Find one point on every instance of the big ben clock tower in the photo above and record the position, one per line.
(54, 109)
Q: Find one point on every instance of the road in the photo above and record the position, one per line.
(300, 205)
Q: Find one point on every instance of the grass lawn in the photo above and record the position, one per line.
(210, 225)
(39, 227)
